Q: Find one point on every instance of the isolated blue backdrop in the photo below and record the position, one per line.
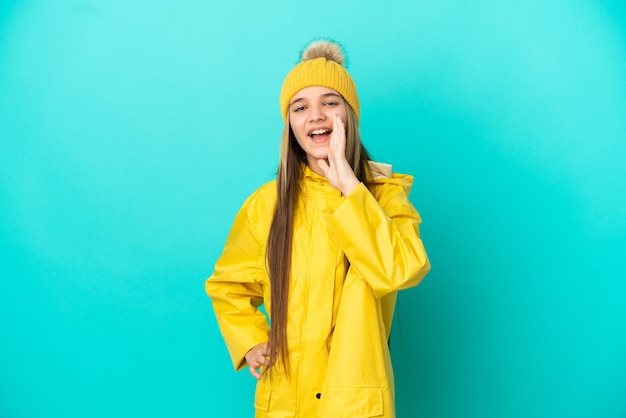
(131, 132)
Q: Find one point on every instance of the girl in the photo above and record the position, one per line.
(325, 247)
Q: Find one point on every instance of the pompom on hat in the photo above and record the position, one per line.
(321, 64)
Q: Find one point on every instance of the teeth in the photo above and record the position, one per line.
(320, 131)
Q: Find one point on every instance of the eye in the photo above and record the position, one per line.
(331, 103)
(297, 109)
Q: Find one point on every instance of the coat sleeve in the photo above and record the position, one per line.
(381, 238)
(236, 290)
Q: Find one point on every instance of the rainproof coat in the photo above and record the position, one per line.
(338, 321)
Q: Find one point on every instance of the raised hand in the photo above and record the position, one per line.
(337, 169)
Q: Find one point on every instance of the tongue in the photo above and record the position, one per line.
(319, 136)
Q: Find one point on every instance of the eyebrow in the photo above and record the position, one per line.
(300, 99)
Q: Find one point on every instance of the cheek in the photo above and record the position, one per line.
(296, 126)
(300, 142)
(300, 136)
(343, 115)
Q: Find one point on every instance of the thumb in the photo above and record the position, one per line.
(323, 164)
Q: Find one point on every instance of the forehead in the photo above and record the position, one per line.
(314, 92)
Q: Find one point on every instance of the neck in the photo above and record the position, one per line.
(314, 166)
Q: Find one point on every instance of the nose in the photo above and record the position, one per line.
(317, 113)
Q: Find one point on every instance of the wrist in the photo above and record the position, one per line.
(349, 186)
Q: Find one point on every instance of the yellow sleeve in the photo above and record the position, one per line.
(381, 238)
(236, 290)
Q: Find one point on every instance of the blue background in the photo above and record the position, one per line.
(131, 132)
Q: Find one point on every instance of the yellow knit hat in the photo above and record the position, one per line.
(321, 65)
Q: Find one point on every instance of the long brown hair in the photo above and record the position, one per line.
(279, 241)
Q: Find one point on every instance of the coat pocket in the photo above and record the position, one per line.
(263, 393)
(354, 401)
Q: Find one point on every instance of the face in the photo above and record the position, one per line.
(311, 114)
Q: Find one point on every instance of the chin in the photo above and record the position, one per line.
(321, 157)
(320, 154)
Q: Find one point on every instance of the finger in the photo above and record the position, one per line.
(337, 143)
(342, 127)
(338, 127)
(254, 372)
(338, 131)
(261, 360)
(262, 356)
(323, 165)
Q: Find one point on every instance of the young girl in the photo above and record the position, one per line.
(325, 247)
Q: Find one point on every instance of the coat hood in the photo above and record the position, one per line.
(382, 173)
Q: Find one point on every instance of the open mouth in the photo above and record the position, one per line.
(320, 133)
